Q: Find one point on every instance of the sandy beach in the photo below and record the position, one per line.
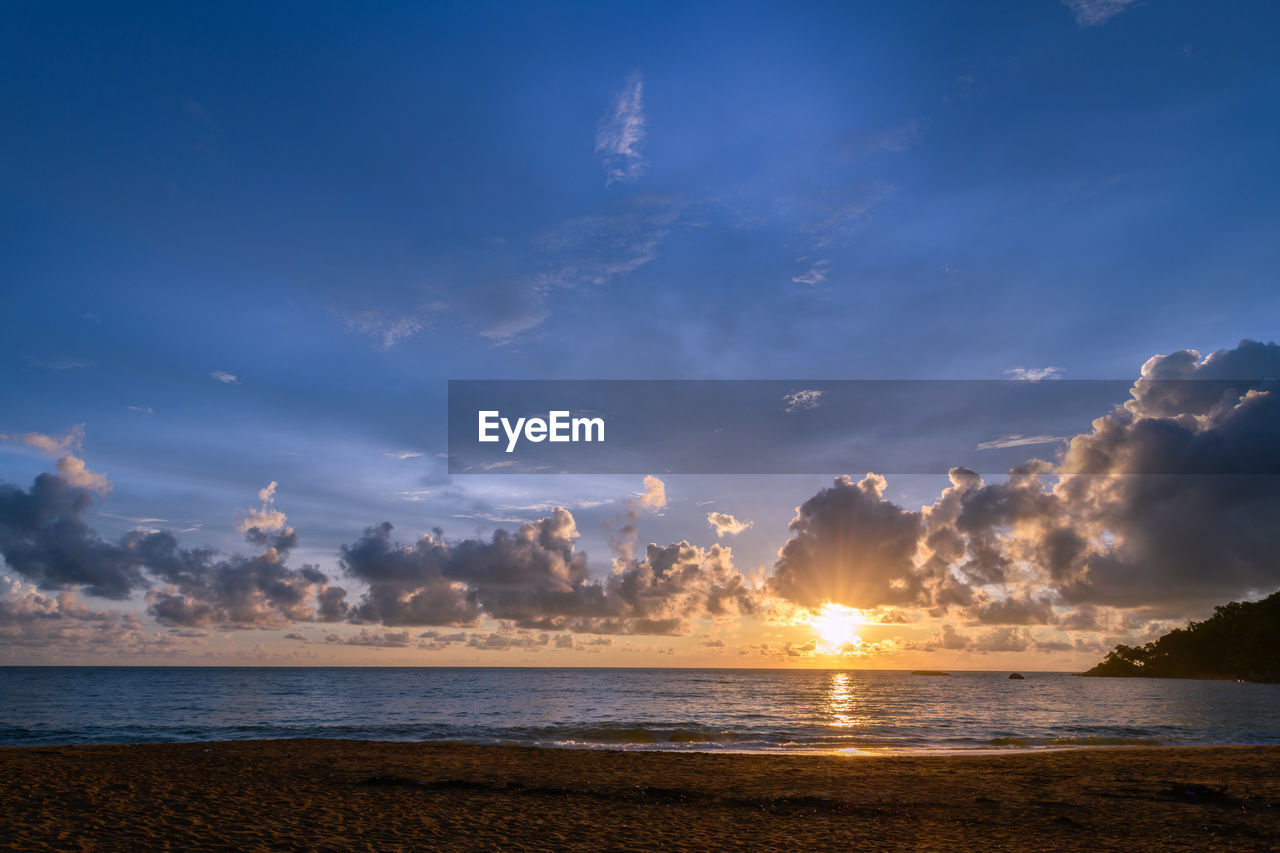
(360, 795)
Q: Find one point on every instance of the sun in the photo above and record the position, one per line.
(837, 627)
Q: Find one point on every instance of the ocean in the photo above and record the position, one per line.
(663, 709)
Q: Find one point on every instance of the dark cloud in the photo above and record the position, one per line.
(375, 639)
(1089, 533)
(1015, 611)
(1010, 639)
(534, 578)
(43, 538)
(849, 545)
(497, 641)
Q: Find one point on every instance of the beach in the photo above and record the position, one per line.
(369, 795)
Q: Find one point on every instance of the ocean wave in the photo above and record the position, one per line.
(1084, 740)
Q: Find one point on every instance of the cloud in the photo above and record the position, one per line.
(225, 378)
(535, 578)
(622, 531)
(265, 519)
(58, 364)
(582, 252)
(31, 619)
(375, 639)
(1019, 441)
(1035, 374)
(799, 401)
(44, 539)
(949, 638)
(725, 524)
(654, 496)
(1081, 541)
(673, 584)
(593, 250)
(504, 642)
(621, 132)
(72, 470)
(850, 546)
(817, 274)
(68, 443)
(390, 330)
(1003, 640)
(1090, 13)
(197, 588)
(402, 455)
(142, 410)
(1015, 610)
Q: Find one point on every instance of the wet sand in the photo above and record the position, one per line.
(359, 795)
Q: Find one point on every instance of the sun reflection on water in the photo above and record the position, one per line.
(843, 701)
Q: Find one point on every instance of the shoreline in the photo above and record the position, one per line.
(389, 795)
(693, 748)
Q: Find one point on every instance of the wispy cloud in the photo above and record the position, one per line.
(58, 364)
(402, 454)
(621, 132)
(134, 519)
(1090, 13)
(389, 331)
(1035, 374)
(55, 445)
(1019, 441)
(225, 378)
(142, 410)
(817, 274)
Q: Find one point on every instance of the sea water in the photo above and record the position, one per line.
(667, 709)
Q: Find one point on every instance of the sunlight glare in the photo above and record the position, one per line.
(837, 627)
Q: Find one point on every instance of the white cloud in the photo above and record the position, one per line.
(798, 401)
(402, 454)
(621, 132)
(266, 517)
(1035, 374)
(654, 496)
(389, 331)
(225, 378)
(1019, 441)
(726, 525)
(817, 274)
(1090, 13)
(142, 410)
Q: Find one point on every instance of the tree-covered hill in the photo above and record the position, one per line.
(1240, 641)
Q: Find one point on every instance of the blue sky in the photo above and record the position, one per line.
(338, 209)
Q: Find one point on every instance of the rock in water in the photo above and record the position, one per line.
(1016, 675)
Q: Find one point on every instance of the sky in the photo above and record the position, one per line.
(247, 247)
